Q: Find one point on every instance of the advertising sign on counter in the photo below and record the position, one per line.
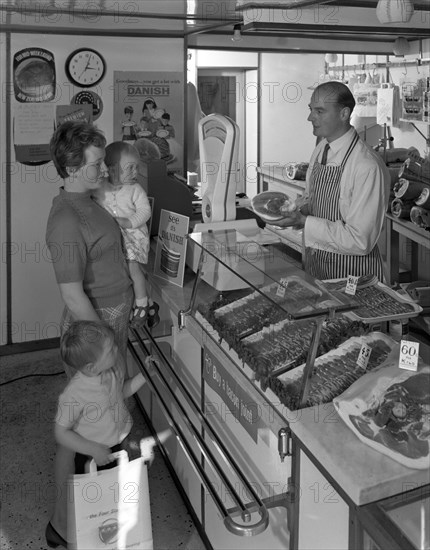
(231, 393)
(171, 247)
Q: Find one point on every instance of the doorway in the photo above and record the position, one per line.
(220, 91)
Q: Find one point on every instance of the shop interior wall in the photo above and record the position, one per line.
(285, 82)
(3, 231)
(35, 301)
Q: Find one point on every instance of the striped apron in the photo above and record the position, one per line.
(324, 203)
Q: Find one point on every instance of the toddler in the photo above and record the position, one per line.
(125, 199)
(92, 418)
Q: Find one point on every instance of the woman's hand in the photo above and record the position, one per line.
(125, 223)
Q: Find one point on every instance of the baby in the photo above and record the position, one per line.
(125, 199)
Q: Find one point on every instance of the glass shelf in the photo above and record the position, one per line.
(232, 262)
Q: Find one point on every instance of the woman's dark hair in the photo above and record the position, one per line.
(69, 143)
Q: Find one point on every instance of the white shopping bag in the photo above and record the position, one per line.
(110, 508)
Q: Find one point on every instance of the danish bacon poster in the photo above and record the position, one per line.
(149, 112)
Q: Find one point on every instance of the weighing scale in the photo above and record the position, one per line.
(219, 148)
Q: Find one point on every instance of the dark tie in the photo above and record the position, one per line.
(325, 153)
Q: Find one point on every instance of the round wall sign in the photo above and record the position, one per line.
(34, 75)
(89, 98)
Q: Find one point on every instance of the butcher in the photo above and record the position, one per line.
(347, 185)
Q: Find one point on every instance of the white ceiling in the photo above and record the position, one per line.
(205, 21)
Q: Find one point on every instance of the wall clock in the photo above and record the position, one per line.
(85, 67)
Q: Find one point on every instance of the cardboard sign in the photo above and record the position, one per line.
(171, 247)
(409, 353)
(351, 285)
(235, 398)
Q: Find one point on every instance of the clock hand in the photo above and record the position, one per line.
(87, 65)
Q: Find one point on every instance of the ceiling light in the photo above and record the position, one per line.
(394, 11)
(236, 33)
(400, 47)
(330, 57)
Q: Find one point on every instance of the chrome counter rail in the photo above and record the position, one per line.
(242, 509)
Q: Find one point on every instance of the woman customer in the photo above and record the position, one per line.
(90, 268)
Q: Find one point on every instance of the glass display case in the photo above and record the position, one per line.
(401, 522)
(277, 318)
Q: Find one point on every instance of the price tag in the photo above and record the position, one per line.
(408, 358)
(280, 291)
(363, 356)
(351, 285)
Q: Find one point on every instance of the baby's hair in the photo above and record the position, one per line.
(166, 116)
(128, 109)
(115, 150)
(83, 343)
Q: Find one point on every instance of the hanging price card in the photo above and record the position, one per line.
(408, 358)
(363, 356)
(351, 285)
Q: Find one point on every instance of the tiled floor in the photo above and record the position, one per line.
(27, 454)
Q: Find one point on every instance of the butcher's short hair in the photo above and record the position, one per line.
(339, 92)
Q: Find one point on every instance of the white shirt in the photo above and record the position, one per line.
(364, 191)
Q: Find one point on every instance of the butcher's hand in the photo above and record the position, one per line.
(293, 219)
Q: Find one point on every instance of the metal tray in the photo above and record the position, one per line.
(415, 309)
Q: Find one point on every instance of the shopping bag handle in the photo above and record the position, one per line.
(120, 456)
(148, 443)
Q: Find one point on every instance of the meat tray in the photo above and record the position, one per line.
(297, 296)
(377, 302)
(332, 373)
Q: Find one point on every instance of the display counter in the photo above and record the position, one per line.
(256, 474)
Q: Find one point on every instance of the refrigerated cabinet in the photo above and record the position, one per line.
(234, 442)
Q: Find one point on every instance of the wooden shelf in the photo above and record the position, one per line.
(415, 121)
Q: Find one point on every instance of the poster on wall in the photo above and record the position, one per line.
(74, 113)
(148, 112)
(34, 75)
(33, 126)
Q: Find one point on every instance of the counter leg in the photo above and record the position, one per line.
(392, 267)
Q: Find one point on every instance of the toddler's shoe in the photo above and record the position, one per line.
(53, 538)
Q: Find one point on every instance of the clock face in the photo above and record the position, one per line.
(85, 67)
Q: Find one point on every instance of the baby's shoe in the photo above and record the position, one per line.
(152, 315)
(140, 316)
